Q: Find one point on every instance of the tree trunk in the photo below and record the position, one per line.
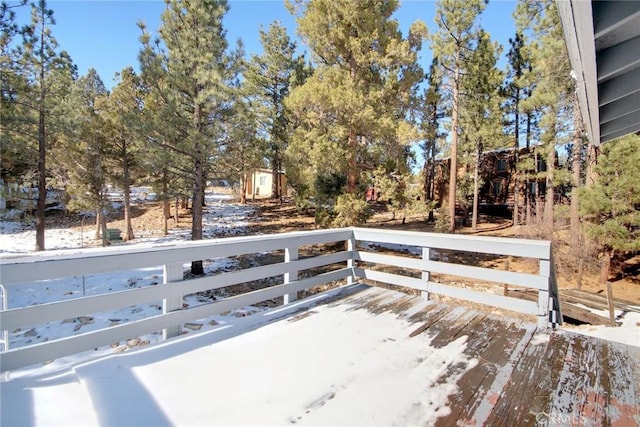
(42, 152)
(474, 217)
(516, 178)
(453, 171)
(539, 205)
(275, 174)
(198, 191)
(126, 184)
(166, 207)
(166, 213)
(353, 162)
(516, 195)
(528, 197)
(128, 226)
(527, 204)
(103, 226)
(196, 211)
(549, 198)
(592, 162)
(605, 265)
(177, 210)
(576, 233)
(243, 189)
(42, 183)
(253, 186)
(429, 177)
(98, 225)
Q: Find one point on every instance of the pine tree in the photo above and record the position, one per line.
(244, 150)
(34, 91)
(84, 151)
(15, 159)
(480, 107)
(576, 167)
(193, 73)
(122, 114)
(451, 44)
(166, 168)
(355, 103)
(551, 95)
(514, 92)
(610, 206)
(269, 77)
(431, 115)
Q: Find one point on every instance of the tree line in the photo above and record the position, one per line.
(339, 121)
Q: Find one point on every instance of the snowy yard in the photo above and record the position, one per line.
(221, 218)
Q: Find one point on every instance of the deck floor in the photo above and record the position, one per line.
(498, 371)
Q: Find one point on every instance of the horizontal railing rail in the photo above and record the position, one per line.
(547, 308)
(343, 264)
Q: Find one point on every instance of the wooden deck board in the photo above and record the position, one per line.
(523, 375)
(529, 389)
(624, 390)
(480, 387)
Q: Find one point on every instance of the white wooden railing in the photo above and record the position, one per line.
(348, 264)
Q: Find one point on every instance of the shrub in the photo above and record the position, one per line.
(351, 210)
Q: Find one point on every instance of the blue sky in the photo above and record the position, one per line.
(104, 34)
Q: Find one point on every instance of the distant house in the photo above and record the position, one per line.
(260, 183)
(497, 173)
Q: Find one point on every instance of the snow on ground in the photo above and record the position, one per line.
(221, 219)
(336, 366)
(627, 333)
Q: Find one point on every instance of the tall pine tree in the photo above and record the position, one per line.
(34, 94)
(193, 72)
(269, 77)
(452, 44)
(430, 115)
(356, 100)
(553, 88)
(480, 114)
(84, 151)
(610, 206)
(122, 114)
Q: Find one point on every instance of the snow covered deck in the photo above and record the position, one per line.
(357, 355)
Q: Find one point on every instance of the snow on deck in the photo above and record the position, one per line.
(354, 356)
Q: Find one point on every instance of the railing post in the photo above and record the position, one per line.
(4, 296)
(543, 296)
(172, 273)
(290, 254)
(426, 275)
(351, 245)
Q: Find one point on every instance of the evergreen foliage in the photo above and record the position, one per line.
(351, 112)
(480, 115)
(269, 77)
(452, 44)
(611, 207)
(195, 78)
(83, 152)
(552, 90)
(430, 115)
(35, 77)
(122, 113)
